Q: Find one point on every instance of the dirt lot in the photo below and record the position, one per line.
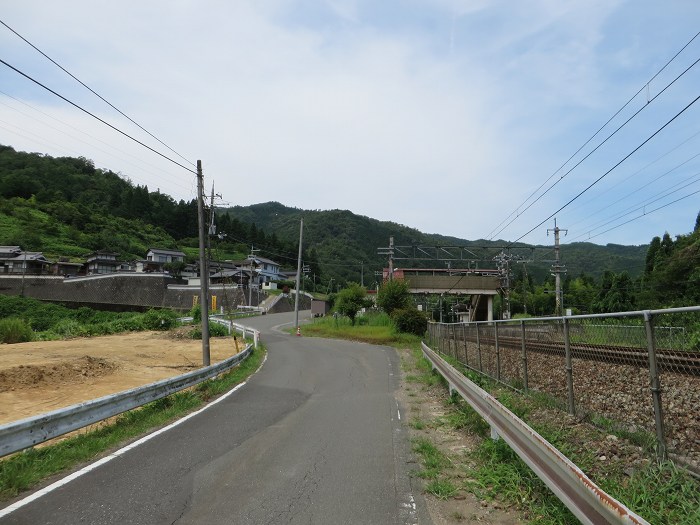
(42, 376)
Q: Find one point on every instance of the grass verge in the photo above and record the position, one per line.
(659, 492)
(373, 328)
(26, 469)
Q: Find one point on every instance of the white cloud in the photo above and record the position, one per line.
(442, 115)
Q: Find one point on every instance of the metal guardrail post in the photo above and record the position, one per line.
(524, 355)
(478, 348)
(569, 370)
(655, 387)
(498, 352)
(464, 337)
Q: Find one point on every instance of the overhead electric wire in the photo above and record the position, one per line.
(96, 117)
(517, 211)
(611, 169)
(59, 148)
(631, 209)
(599, 145)
(634, 174)
(645, 213)
(94, 92)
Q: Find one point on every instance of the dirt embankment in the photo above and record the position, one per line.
(43, 376)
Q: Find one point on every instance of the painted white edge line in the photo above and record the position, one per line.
(92, 466)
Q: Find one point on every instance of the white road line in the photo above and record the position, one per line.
(61, 482)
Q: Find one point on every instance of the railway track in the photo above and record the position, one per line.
(668, 360)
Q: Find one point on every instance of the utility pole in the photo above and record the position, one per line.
(362, 274)
(390, 252)
(250, 281)
(203, 267)
(296, 295)
(557, 270)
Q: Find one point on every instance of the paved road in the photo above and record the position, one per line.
(314, 437)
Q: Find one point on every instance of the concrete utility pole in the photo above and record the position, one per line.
(203, 267)
(390, 252)
(250, 282)
(296, 295)
(557, 270)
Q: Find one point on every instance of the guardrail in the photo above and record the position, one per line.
(585, 499)
(38, 429)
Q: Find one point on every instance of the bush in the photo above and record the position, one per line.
(14, 330)
(159, 320)
(196, 313)
(215, 330)
(410, 321)
(67, 328)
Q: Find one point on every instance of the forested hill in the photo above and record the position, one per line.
(67, 207)
(341, 240)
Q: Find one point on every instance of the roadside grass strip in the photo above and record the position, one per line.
(660, 492)
(26, 469)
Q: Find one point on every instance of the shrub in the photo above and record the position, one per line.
(215, 330)
(15, 330)
(196, 312)
(69, 328)
(410, 320)
(159, 320)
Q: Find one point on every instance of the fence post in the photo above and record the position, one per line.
(655, 387)
(478, 347)
(464, 337)
(569, 370)
(498, 352)
(522, 343)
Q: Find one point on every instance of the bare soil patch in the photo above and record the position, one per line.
(39, 377)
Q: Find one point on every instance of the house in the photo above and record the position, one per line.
(101, 262)
(157, 258)
(14, 260)
(64, 267)
(267, 269)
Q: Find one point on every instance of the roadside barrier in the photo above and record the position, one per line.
(38, 429)
(588, 502)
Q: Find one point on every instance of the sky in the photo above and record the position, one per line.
(469, 118)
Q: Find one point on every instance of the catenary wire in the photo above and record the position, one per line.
(611, 169)
(491, 234)
(598, 146)
(95, 93)
(96, 117)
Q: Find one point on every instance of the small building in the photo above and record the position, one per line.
(319, 308)
(16, 261)
(157, 258)
(66, 268)
(101, 262)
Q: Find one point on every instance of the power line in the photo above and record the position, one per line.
(646, 213)
(599, 145)
(96, 117)
(94, 92)
(66, 134)
(611, 169)
(517, 211)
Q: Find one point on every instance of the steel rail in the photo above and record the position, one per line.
(32, 431)
(677, 361)
(589, 503)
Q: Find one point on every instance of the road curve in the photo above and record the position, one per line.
(314, 437)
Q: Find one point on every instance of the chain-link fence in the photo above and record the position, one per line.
(634, 372)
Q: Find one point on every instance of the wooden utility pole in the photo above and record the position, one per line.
(203, 266)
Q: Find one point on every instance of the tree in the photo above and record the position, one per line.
(351, 300)
(393, 295)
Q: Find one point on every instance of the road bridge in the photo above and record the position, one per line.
(481, 284)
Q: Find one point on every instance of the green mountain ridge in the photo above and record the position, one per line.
(346, 240)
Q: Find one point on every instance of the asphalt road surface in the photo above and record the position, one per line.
(314, 437)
